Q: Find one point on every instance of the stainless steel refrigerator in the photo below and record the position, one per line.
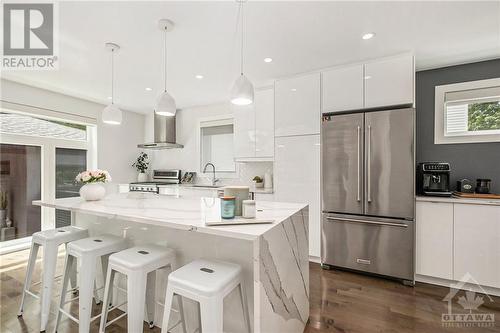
(368, 186)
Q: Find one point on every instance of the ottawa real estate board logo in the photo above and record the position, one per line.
(30, 41)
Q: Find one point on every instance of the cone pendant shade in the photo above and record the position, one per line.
(112, 115)
(165, 105)
(242, 91)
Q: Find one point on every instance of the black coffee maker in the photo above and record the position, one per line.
(433, 178)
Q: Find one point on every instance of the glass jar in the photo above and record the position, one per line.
(227, 206)
(249, 209)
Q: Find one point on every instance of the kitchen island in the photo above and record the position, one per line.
(274, 256)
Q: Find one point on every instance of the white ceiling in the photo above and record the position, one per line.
(299, 36)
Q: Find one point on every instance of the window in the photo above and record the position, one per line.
(216, 145)
(468, 112)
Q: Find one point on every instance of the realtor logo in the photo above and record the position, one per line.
(470, 315)
(29, 38)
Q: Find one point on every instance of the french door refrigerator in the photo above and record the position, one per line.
(368, 192)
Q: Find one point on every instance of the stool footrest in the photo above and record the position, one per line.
(32, 294)
(117, 318)
(69, 315)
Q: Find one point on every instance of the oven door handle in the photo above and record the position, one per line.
(342, 219)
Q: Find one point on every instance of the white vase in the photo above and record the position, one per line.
(142, 177)
(92, 191)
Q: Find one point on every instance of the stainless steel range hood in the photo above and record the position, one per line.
(164, 134)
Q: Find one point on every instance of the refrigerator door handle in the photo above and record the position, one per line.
(359, 162)
(368, 164)
(343, 219)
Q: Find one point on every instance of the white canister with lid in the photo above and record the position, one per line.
(248, 209)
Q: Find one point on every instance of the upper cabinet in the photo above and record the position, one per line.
(254, 128)
(378, 83)
(298, 105)
(389, 82)
(342, 89)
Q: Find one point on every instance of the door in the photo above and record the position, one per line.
(434, 235)
(264, 123)
(244, 131)
(342, 89)
(376, 245)
(477, 243)
(389, 82)
(389, 163)
(342, 166)
(298, 105)
(297, 179)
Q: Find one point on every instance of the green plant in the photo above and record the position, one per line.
(142, 163)
(4, 200)
(257, 179)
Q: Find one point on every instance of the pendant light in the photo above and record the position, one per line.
(242, 91)
(165, 103)
(112, 114)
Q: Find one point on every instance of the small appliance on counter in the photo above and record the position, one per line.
(160, 177)
(188, 177)
(465, 186)
(433, 179)
(483, 186)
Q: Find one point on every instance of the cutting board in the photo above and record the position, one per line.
(476, 195)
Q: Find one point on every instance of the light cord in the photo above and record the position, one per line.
(165, 57)
(113, 75)
(242, 34)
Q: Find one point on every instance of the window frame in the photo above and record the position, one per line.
(227, 119)
(440, 113)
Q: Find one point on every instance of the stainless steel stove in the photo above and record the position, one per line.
(160, 177)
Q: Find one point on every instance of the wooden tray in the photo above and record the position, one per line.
(476, 195)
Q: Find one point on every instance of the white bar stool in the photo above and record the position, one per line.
(208, 282)
(140, 265)
(50, 240)
(86, 252)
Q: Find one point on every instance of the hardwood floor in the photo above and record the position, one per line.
(340, 302)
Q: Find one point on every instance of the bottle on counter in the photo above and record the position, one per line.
(249, 209)
(227, 207)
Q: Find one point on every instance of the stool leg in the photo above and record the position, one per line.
(87, 277)
(108, 290)
(169, 295)
(244, 306)
(212, 318)
(72, 273)
(68, 267)
(151, 298)
(49, 268)
(181, 313)
(136, 300)
(29, 274)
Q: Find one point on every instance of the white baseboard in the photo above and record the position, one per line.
(448, 283)
(315, 259)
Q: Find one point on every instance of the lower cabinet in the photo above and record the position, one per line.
(458, 240)
(434, 239)
(477, 243)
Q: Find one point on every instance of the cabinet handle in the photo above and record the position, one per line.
(369, 171)
(359, 161)
(342, 219)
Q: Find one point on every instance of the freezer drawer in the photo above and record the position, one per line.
(375, 245)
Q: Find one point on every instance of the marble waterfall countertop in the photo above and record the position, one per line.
(185, 213)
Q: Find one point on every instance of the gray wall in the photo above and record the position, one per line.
(472, 160)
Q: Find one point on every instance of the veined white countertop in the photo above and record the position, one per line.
(471, 201)
(186, 213)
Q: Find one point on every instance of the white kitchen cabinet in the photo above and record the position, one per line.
(254, 127)
(264, 123)
(297, 105)
(342, 89)
(297, 179)
(477, 243)
(389, 81)
(434, 239)
(244, 131)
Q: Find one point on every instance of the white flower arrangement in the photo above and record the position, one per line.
(93, 176)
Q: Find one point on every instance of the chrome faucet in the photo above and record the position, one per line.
(214, 180)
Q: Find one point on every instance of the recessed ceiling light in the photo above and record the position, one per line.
(148, 89)
(199, 77)
(369, 35)
(268, 59)
(367, 77)
(109, 97)
(293, 89)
